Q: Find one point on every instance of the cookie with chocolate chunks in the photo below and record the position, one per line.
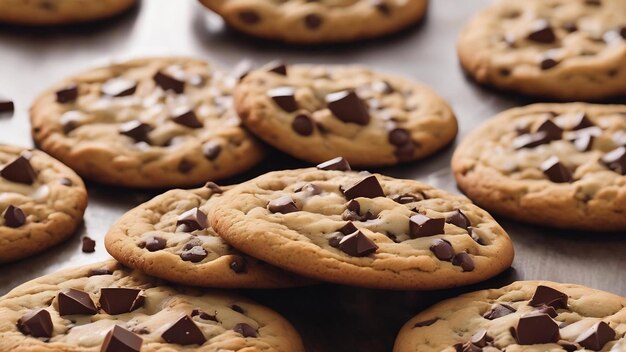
(146, 123)
(528, 164)
(42, 202)
(353, 230)
(136, 313)
(60, 12)
(169, 237)
(316, 113)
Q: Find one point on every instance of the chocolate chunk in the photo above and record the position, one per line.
(550, 311)
(249, 17)
(596, 336)
(245, 330)
(186, 117)
(338, 164)
(542, 32)
(277, 67)
(548, 63)
(121, 340)
(283, 205)
(553, 131)
(442, 249)
(237, 309)
(407, 199)
(169, 82)
(311, 189)
(36, 323)
(119, 87)
(136, 130)
(6, 105)
(14, 217)
(75, 301)
(348, 228)
(119, 300)
(459, 219)
(184, 332)
(238, 264)
(357, 245)
(581, 121)
(70, 121)
(616, 160)
(399, 137)
(284, 97)
(19, 170)
(584, 143)
(480, 338)
(556, 171)
(89, 245)
(211, 150)
(368, 187)
(303, 125)
(155, 243)
(531, 140)
(98, 272)
(194, 254)
(348, 107)
(498, 311)
(382, 87)
(429, 322)
(313, 21)
(422, 226)
(193, 219)
(548, 296)
(67, 94)
(536, 329)
(204, 315)
(463, 260)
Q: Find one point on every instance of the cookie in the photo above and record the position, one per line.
(42, 202)
(169, 237)
(321, 21)
(526, 316)
(156, 122)
(557, 165)
(316, 113)
(362, 229)
(59, 12)
(106, 307)
(557, 49)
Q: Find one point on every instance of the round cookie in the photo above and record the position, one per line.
(557, 49)
(316, 112)
(42, 202)
(156, 122)
(557, 165)
(59, 12)
(362, 229)
(526, 316)
(106, 307)
(168, 237)
(321, 21)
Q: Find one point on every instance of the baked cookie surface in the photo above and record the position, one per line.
(156, 122)
(558, 49)
(169, 237)
(558, 165)
(316, 113)
(42, 202)
(106, 307)
(526, 316)
(321, 21)
(363, 229)
(59, 12)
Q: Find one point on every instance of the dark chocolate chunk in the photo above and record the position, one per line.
(422, 226)
(67, 94)
(204, 315)
(459, 219)
(556, 171)
(498, 311)
(249, 17)
(19, 170)
(277, 67)
(568, 347)
(548, 63)
(429, 322)
(581, 121)
(245, 330)
(382, 87)
(75, 301)
(186, 117)
(548, 296)
(121, 340)
(6, 105)
(616, 160)
(399, 136)
(369, 187)
(284, 97)
(36, 323)
(545, 310)
(237, 309)
(357, 245)
(542, 32)
(119, 300)
(407, 198)
(193, 219)
(283, 205)
(339, 164)
(553, 131)
(348, 228)
(584, 142)
(184, 332)
(531, 140)
(70, 121)
(463, 260)
(335, 239)
(98, 272)
(442, 249)
(480, 338)
(194, 254)
(536, 329)
(311, 189)
(238, 264)
(303, 125)
(348, 107)
(136, 130)
(89, 245)
(155, 243)
(119, 87)
(169, 82)
(313, 21)
(14, 217)
(211, 150)
(596, 336)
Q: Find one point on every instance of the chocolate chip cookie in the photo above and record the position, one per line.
(106, 307)
(558, 165)
(524, 316)
(318, 21)
(157, 122)
(169, 237)
(42, 202)
(59, 12)
(559, 49)
(362, 229)
(316, 113)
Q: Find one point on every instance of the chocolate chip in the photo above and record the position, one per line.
(284, 97)
(548, 63)
(369, 187)
(249, 17)
(169, 82)
(552, 130)
(204, 315)
(75, 301)
(238, 264)
(548, 296)
(407, 199)
(36, 323)
(584, 143)
(556, 171)
(616, 160)
(119, 87)
(313, 21)
(121, 340)
(429, 322)
(338, 164)
(67, 94)
(237, 309)
(463, 260)
(155, 243)
(14, 217)
(442, 249)
(499, 311)
(184, 332)
(480, 338)
(568, 347)
(381, 6)
(245, 330)
(136, 130)
(357, 245)
(542, 32)
(19, 170)
(283, 205)
(193, 219)
(98, 272)
(399, 136)
(348, 107)
(186, 117)
(422, 226)
(459, 219)
(211, 150)
(596, 336)
(303, 125)
(6, 105)
(120, 300)
(194, 254)
(348, 228)
(550, 311)
(277, 67)
(536, 329)
(89, 245)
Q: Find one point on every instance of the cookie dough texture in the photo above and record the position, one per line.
(459, 318)
(510, 183)
(222, 267)
(85, 133)
(59, 12)
(53, 205)
(324, 21)
(299, 240)
(163, 305)
(393, 103)
(582, 56)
